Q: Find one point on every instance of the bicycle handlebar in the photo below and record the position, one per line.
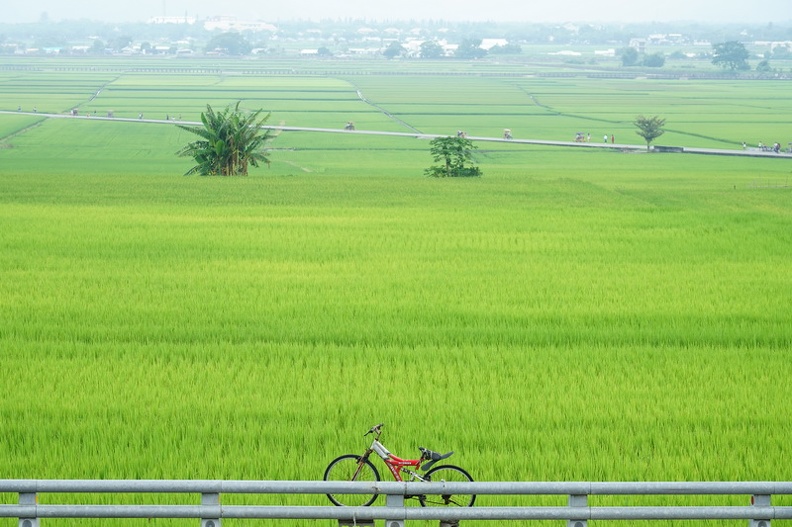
(374, 429)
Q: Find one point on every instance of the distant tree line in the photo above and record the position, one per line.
(468, 49)
(631, 57)
(335, 37)
(731, 55)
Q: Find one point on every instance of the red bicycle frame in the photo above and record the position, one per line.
(394, 463)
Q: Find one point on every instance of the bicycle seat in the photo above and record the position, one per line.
(432, 456)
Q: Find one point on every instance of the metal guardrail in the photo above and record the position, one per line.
(759, 512)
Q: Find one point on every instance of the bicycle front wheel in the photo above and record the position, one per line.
(450, 474)
(350, 467)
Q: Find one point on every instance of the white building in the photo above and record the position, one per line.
(489, 43)
(190, 20)
(231, 23)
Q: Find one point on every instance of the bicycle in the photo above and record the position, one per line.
(351, 467)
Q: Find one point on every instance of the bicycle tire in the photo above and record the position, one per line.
(451, 474)
(351, 467)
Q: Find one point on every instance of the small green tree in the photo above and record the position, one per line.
(732, 55)
(650, 128)
(629, 57)
(394, 50)
(655, 60)
(507, 49)
(120, 42)
(230, 43)
(431, 50)
(231, 140)
(782, 52)
(98, 47)
(470, 48)
(455, 155)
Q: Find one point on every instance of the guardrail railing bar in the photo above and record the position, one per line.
(577, 513)
(397, 514)
(393, 487)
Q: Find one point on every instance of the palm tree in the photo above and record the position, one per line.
(231, 140)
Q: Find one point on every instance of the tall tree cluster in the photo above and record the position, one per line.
(230, 141)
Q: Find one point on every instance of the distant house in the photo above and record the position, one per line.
(773, 44)
(413, 47)
(370, 52)
(489, 43)
(448, 49)
(638, 44)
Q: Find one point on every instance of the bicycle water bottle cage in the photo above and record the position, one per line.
(432, 456)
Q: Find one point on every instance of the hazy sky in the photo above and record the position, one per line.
(715, 11)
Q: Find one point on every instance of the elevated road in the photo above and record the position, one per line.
(748, 152)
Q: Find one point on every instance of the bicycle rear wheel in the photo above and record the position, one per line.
(450, 474)
(350, 467)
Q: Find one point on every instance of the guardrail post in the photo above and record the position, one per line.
(354, 522)
(760, 500)
(578, 500)
(393, 501)
(28, 498)
(211, 499)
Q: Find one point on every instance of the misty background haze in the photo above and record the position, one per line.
(705, 11)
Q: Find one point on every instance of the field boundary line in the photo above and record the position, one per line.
(21, 131)
(383, 110)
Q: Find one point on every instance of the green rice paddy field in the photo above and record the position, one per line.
(574, 315)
